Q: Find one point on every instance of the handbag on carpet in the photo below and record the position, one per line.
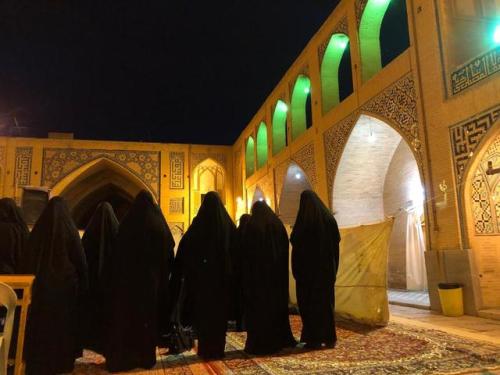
(179, 338)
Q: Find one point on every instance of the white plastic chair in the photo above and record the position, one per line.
(8, 299)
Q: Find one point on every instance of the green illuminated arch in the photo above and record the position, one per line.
(250, 157)
(301, 92)
(330, 83)
(369, 37)
(261, 145)
(279, 126)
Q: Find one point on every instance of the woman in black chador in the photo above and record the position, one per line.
(55, 256)
(13, 236)
(238, 308)
(98, 241)
(203, 261)
(315, 259)
(141, 265)
(265, 282)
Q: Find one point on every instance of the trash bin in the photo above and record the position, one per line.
(451, 297)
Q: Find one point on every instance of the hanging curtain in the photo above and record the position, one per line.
(416, 276)
(361, 287)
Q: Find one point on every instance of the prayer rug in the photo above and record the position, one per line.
(395, 349)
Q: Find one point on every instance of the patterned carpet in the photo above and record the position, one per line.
(395, 349)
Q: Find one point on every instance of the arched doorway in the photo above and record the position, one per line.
(295, 182)
(378, 177)
(207, 176)
(95, 182)
(481, 197)
(258, 195)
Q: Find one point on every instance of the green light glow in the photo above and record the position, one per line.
(261, 145)
(250, 157)
(369, 37)
(330, 70)
(279, 127)
(282, 106)
(496, 34)
(300, 93)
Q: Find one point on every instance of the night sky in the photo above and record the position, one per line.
(160, 71)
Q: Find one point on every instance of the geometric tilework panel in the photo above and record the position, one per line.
(59, 162)
(23, 165)
(176, 170)
(485, 193)
(483, 220)
(398, 104)
(466, 135)
(305, 160)
(176, 206)
(475, 70)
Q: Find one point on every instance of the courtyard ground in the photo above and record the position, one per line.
(416, 341)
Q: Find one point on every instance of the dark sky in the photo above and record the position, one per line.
(164, 71)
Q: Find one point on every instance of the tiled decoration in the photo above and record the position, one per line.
(176, 170)
(485, 193)
(466, 135)
(59, 162)
(176, 206)
(23, 166)
(475, 71)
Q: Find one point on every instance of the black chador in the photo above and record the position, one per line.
(142, 261)
(55, 256)
(238, 308)
(265, 282)
(98, 241)
(204, 262)
(315, 258)
(13, 236)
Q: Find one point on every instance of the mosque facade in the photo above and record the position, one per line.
(377, 130)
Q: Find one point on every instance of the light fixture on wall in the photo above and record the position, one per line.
(443, 187)
(282, 106)
(261, 199)
(298, 176)
(371, 136)
(307, 90)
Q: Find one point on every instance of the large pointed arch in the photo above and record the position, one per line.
(378, 176)
(336, 86)
(99, 180)
(480, 206)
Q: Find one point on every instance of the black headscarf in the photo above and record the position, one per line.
(55, 256)
(315, 237)
(98, 241)
(265, 282)
(204, 261)
(141, 265)
(13, 236)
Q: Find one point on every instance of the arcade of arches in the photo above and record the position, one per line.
(380, 127)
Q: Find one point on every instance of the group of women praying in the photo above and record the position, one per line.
(121, 291)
